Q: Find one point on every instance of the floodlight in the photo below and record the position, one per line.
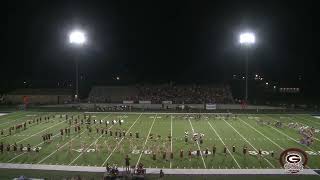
(77, 37)
(247, 38)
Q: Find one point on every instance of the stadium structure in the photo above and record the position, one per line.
(176, 131)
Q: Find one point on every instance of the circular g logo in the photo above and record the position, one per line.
(293, 158)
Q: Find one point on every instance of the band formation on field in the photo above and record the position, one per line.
(157, 140)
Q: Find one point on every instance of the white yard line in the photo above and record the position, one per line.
(22, 133)
(121, 140)
(302, 118)
(26, 152)
(144, 145)
(204, 164)
(262, 134)
(10, 121)
(150, 113)
(248, 142)
(292, 138)
(155, 171)
(40, 132)
(59, 148)
(224, 145)
(171, 138)
(292, 118)
(33, 146)
(308, 119)
(85, 149)
(94, 142)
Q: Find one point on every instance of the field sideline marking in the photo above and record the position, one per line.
(121, 140)
(297, 118)
(33, 147)
(91, 143)
(291, 137)
(308, 119)
(265, 136)
(262, 134)
(40, 132)
(293, 119)
(26, 152)
(247, 142)
(171, 138)
(204, 164)
(8, 118)
(224, 144)
(24, 131)
(59, 148)
(18, 119)
(144, 145)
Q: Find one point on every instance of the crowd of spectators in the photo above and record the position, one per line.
(188, 94)
(193, 94)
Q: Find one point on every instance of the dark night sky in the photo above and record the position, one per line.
(154, 41)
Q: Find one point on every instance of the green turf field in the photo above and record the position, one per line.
(95, 149)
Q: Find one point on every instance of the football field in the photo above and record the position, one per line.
(165, 140)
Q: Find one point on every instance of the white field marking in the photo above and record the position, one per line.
(292, 118)
(33, 147)
(59, 148)
(311, 120)
(13, 120)
(85, 149)
(91, 143)
(9, 114)
(262, 134)
(121, 140)
(20, 134)
(144, 145)
(171, 139)
(204, 164)
(248, 142)
(307, 119)
(40, 132)
(224, 145)
(3, 114)
(152, 113)
(297, 118)
(291, 138)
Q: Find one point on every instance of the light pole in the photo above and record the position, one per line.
(247, 39)
(78, 39)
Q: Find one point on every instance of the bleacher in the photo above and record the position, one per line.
(189, 94)
(108, 94)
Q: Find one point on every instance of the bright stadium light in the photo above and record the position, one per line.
(247, 38)
(77, 37)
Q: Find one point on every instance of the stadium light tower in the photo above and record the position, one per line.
(77, 38)
(247, 39)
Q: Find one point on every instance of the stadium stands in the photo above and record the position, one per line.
(158, 93)
(107, 94)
